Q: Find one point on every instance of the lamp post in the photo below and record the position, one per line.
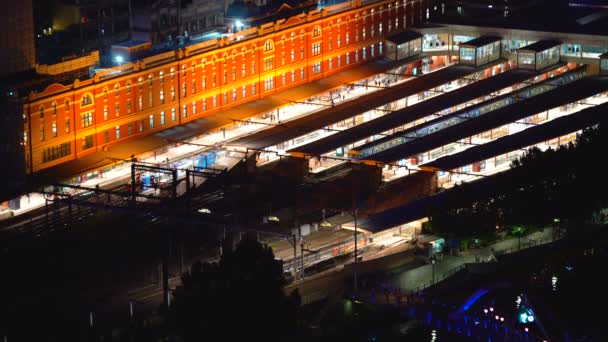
(433, 266)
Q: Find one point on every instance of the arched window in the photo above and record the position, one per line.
(268, 46)
(204, 64)
(116, 89)
(243, 52)
(54, 108)
(183, 69)
(105, 93)
(253, 50)
(42, 112)
(150, 77)
(86, 100)
(301, 34)
(233, 56)
(161, 76)
(283, 42)
(293, 34)
(316, 31)
(193, 68)
(140, 82)
(128, 86)
(172, 72)
(67, 104)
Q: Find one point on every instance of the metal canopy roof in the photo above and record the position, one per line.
(342, 111)
(563, 95)
(540, 46)
(531, 136)
(403, 37)
(481, 41)
(417, 111)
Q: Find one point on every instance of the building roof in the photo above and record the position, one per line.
(568, 93)
(541, 45)
(481, 41)
(604, 55)
(531, 136)
(421, 109)
(403, 37)
(546, 16)
(131, 43)
(330, 115)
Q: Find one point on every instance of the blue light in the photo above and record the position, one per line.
(523, 317)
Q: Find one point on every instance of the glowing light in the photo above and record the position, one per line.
(530, 318)
(496, 317)
(502, 319)
(491, 309)
(204, 211)
(119, 59)
(526, 329)
(485, 310)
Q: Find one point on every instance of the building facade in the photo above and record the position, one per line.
(65, 122)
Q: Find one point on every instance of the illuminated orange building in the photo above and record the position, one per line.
(65, 122)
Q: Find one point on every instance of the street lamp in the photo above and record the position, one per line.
(433, 263)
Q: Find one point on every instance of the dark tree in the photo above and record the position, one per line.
(240, 296)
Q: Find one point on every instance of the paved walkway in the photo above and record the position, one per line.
(421, 277)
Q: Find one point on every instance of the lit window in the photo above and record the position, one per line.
(151, 120)
(268, 45)
(269, 84)
(316, 31)
(316, 68)
(117, 132)
(316, 49)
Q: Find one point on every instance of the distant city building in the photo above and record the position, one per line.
(480, 7)
(243, 14)
(81, 24)
(165, 20)
(17, 48)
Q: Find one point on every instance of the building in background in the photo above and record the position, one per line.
(160, 21)
(17, 48)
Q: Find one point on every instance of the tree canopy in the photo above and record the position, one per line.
(239, 296)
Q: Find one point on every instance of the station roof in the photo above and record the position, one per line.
(544, 16)
(481, 41)
(418, 110)
(394, 217)
(330, 115)
(531, 136)
(403, 37)
(412, 130)
(569, 93)
(541, 45)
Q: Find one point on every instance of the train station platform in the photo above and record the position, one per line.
(420, 110)
(121, 151)
(566, 94)
(529, 137)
